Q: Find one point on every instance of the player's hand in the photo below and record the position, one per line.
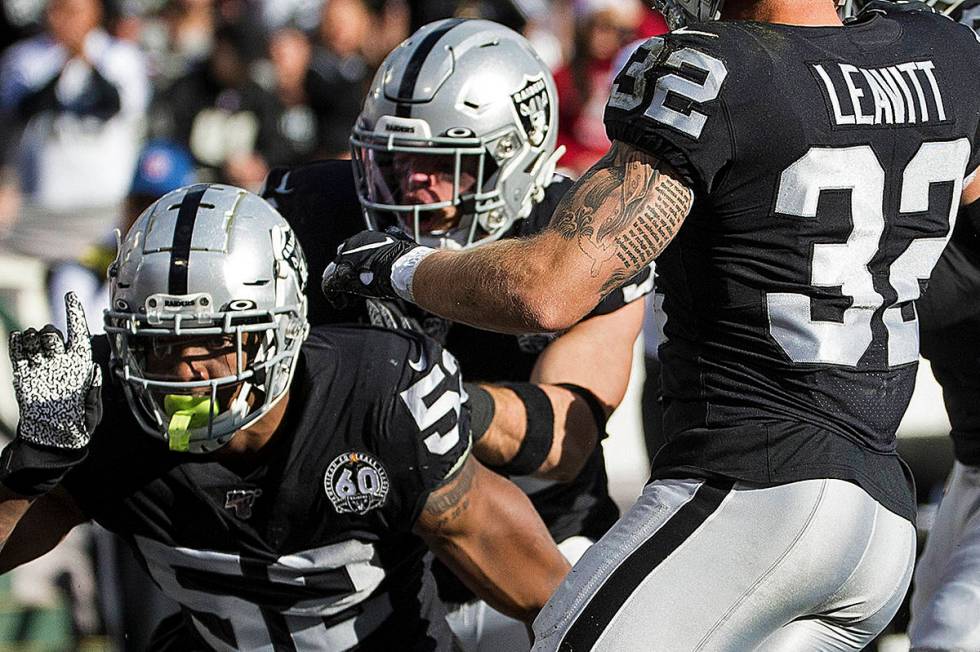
(57, 383)
(365, 265)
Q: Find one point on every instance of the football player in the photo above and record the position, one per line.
(946, 587)
(455, 147)
(795, 178)
(291, 475)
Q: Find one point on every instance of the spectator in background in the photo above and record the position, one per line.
(602, 28)
(302, 14)
(339, 71)
(290, 51)
(391, 20)
(79, 95)
(163, 166)
(178, 38)
(222, 115)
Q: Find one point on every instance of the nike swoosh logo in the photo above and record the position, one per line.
(376, 245)
(418, 365)
(281, 188)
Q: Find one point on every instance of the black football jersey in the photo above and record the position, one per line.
(827, 163)
(311, 549)
(320, 202)
(949, 314)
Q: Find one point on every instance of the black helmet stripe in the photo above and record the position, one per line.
(180, 252)
(407, 87)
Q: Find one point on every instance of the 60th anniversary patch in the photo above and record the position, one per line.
(355, 483)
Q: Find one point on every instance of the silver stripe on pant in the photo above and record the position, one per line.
(810, 565)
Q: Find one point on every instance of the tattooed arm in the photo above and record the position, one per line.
(615, 219)
(485, 530)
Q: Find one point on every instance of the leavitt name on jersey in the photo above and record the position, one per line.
(902, 94)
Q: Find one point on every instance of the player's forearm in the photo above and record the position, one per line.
(13, 506)
(509, 286)
(597, 353)
(504, 554)
(573, 434)
(517, 578)
(971, 191)
(31, 527)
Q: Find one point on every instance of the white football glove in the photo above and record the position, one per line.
(57, 383)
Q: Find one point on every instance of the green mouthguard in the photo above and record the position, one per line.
(185, 412)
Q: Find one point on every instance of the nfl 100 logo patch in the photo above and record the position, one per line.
(355, 483)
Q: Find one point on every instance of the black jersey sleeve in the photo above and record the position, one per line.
(965, 39)
(633, 290)
(669, 101)
(425, 436)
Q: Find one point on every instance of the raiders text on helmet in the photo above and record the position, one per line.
(471, 101)
(204, 265)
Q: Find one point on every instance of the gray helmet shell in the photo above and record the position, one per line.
(476, 92)
(208, 261)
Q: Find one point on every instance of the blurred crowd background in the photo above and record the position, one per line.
(107, 104)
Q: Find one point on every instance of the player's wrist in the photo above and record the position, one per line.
(403, 271)
(31, 469)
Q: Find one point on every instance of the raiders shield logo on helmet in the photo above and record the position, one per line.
(355, 483)
(532, 104)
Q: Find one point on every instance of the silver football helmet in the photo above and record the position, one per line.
(207, 314)
(464, 103)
